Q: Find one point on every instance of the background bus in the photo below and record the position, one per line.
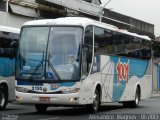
(78, 61)
(7, 64)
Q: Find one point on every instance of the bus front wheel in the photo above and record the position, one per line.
(41, 108)
(3, 98)
(94, 107)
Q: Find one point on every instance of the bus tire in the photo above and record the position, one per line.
(3, 98)
(125, 104)
(93, 108)
(41, 108)
(135, 103)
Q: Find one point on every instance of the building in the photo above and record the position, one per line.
(15, 12)
(129, 23)
(96, 2)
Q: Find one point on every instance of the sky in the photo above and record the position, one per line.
(145, 10)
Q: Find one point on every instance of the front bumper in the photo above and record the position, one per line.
(50, 99)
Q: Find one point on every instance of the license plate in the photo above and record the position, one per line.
(44, 99)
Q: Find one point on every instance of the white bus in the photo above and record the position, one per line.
(77, 61)
(8, 35)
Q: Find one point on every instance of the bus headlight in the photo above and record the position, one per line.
(69, 90)
(21, 89)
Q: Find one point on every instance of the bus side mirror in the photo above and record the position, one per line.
(14, 44)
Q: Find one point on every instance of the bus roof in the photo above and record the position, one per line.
(82, 22)
(9, 29)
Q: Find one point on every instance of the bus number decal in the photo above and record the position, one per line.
(36, 87)
(122, 69)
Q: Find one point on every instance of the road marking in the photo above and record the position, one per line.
(49, 118)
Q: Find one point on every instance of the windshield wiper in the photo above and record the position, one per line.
(53, 69)
(49, 64)
(37, 67)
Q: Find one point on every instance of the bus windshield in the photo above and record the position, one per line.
(49, 53)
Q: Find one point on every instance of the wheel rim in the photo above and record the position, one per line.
(95, 102)
(2, 101)
(137, 99)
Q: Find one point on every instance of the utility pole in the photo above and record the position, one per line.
(7, 1)
(101, 10)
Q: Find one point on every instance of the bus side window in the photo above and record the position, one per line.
(104, 41)
(7, 49)
(87, 51)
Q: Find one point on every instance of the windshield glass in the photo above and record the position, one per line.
(49, 53)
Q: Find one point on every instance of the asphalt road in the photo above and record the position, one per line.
(148, 110)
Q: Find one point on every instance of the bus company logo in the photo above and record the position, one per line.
(55, 86)
(122, 69)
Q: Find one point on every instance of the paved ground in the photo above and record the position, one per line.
(148, 110)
